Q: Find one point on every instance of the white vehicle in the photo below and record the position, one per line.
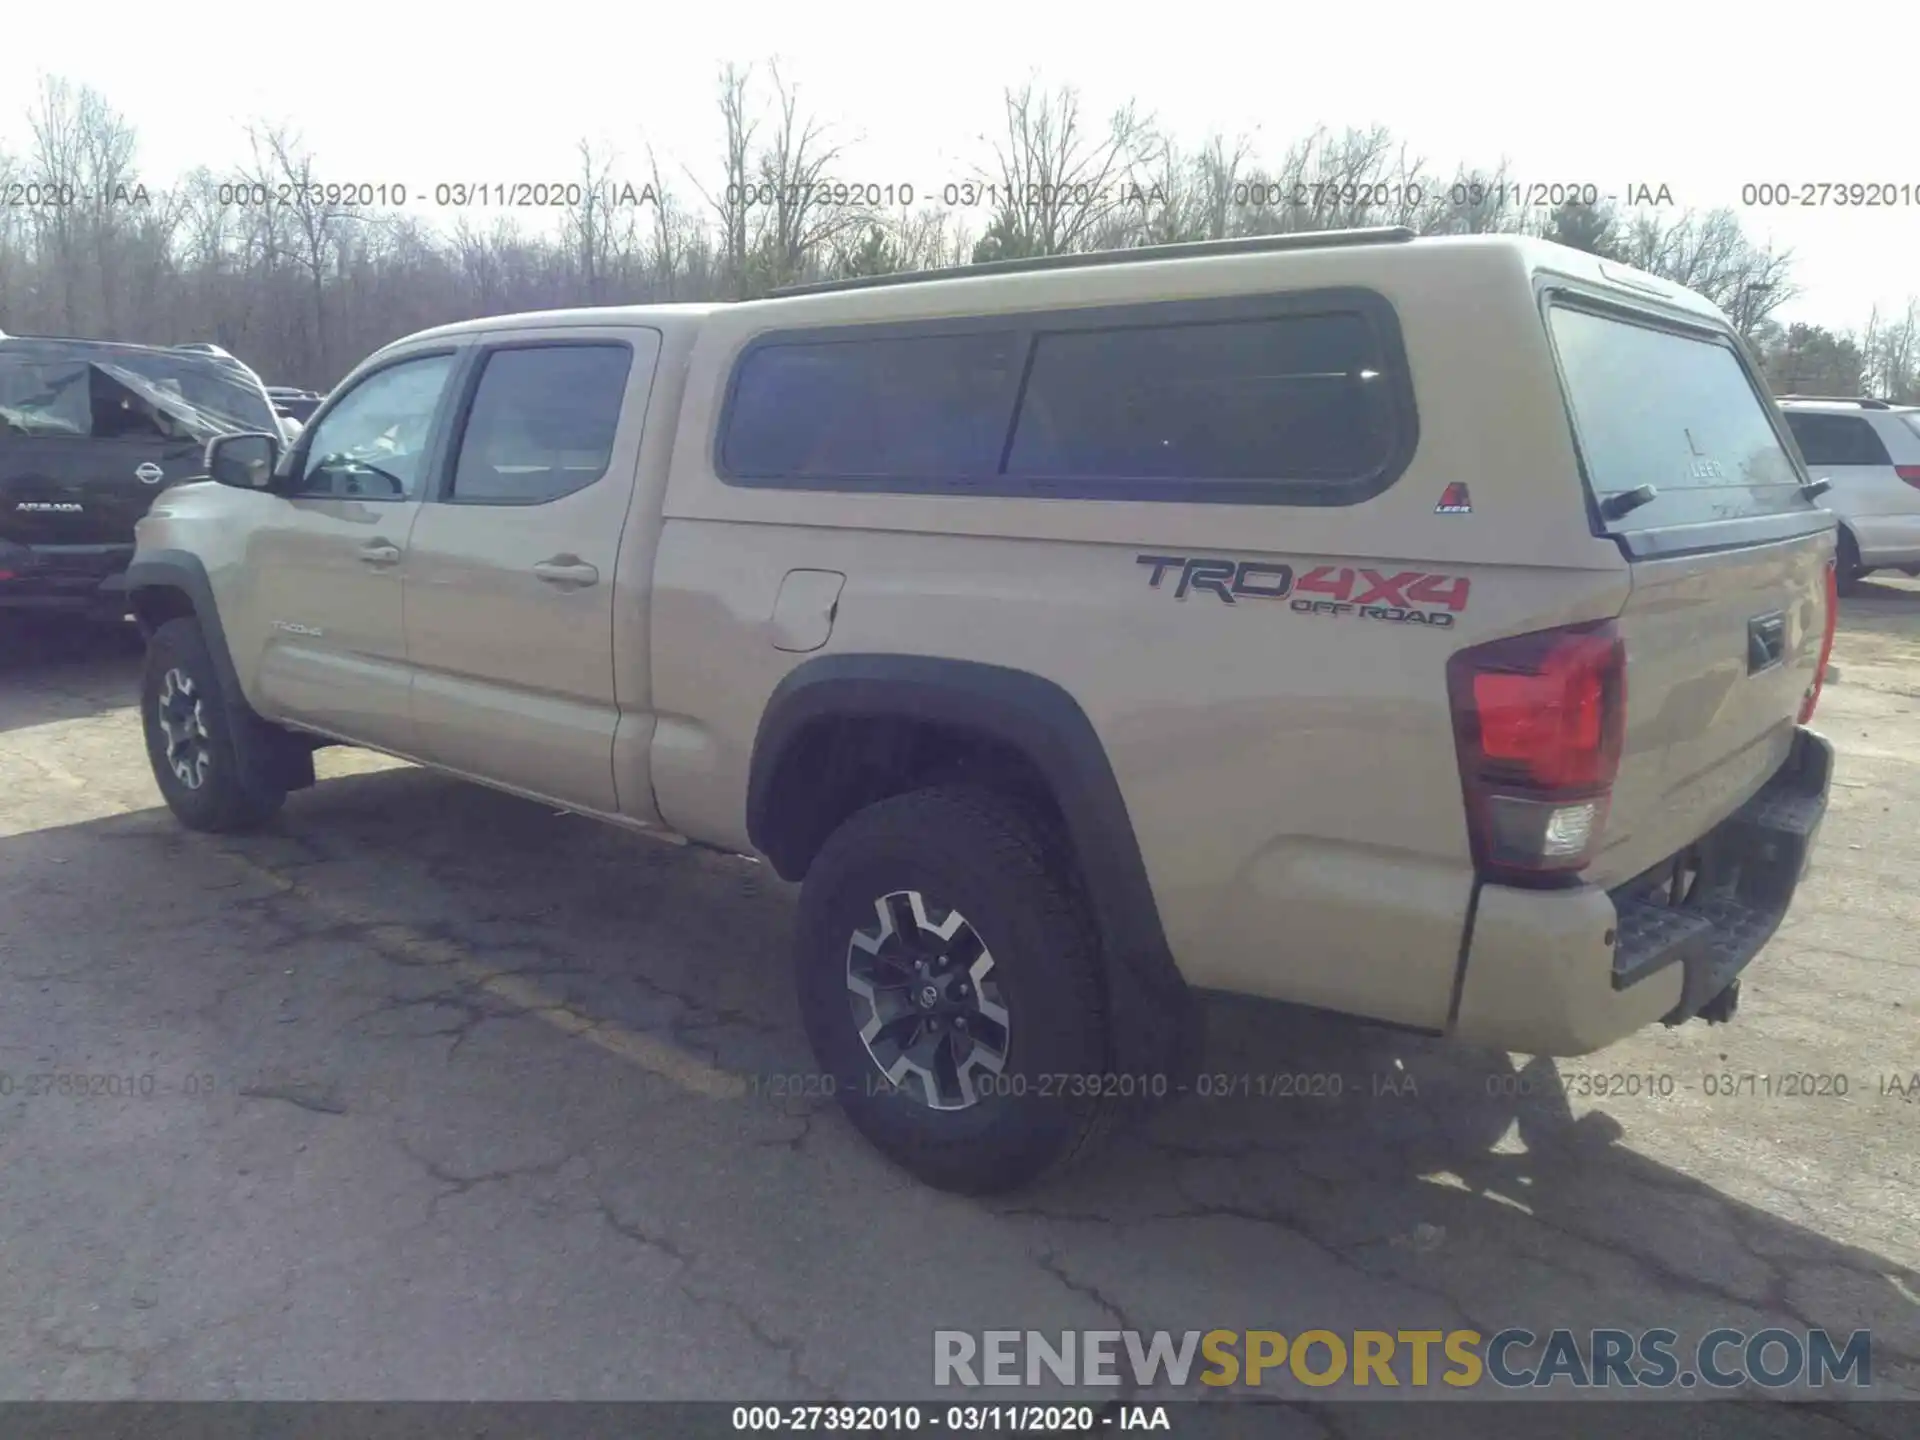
(1870, 451)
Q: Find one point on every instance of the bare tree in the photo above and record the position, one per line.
(733, 205)
(674, 232)
(55, 167)
(105, 144)
(1890, 354)
(305, 220)
(14, 269)
(1056, 183)
(1182, 197)
(1712, 254)
(802, 212)
(589, 224)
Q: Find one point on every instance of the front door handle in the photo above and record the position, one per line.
(567, 570)
(380, 552)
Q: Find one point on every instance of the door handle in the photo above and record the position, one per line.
(380, 552)
(567, 570)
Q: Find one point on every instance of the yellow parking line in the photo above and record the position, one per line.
(398, 941)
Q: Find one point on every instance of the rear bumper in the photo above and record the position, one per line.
(1566, 972)
(1887, 539)
(67, 578)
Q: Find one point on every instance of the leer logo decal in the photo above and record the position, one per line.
(1454, 500)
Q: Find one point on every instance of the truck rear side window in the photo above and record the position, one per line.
(1297, 398)
(1675, 411)
(1300, 398)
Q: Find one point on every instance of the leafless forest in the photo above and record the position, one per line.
(302, 287)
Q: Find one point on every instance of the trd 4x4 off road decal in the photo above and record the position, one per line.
(1408, 597)
(1411, 597)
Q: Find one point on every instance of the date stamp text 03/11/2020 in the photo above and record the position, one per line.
(1293, 196)
(1325, 1086)
(1357, 198)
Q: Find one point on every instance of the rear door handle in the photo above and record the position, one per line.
(567, 570)
(380, 552)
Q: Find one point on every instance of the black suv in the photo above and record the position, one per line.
(90, 432)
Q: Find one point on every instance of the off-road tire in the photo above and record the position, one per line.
(235, 792)
(972, 850)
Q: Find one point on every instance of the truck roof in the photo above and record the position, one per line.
(1016, 284)
(679, 312)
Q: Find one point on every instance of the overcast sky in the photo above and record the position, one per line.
(1702, 98)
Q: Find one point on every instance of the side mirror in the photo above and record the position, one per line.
(245, 462)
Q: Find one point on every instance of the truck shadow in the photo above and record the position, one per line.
(1325, 1172)
(55, 668)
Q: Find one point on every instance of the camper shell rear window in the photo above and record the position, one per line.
(1675, 409)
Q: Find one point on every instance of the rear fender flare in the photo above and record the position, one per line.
(1148, 997)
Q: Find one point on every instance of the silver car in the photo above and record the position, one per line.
(1870, 451)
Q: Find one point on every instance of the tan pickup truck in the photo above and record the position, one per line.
(1422, 629)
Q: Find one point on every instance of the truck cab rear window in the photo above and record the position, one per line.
(1208, 409)
(1678, 412)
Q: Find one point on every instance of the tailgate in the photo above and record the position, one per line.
(1721, 650)
(1727, 613)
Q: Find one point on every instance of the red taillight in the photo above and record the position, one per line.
(1908, 473)
(1538, 724)
(1826, 644)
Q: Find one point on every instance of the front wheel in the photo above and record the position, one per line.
(950, 987)
(207, 781)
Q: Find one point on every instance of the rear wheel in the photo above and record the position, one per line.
(1848, 572)
(207, 781)
(950, 988)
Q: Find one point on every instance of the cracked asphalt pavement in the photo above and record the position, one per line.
(429, 1092)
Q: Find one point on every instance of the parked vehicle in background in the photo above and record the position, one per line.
(91, 431)
(1870, 452)
(293, 403)
(225, 357)
(1424, 629)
